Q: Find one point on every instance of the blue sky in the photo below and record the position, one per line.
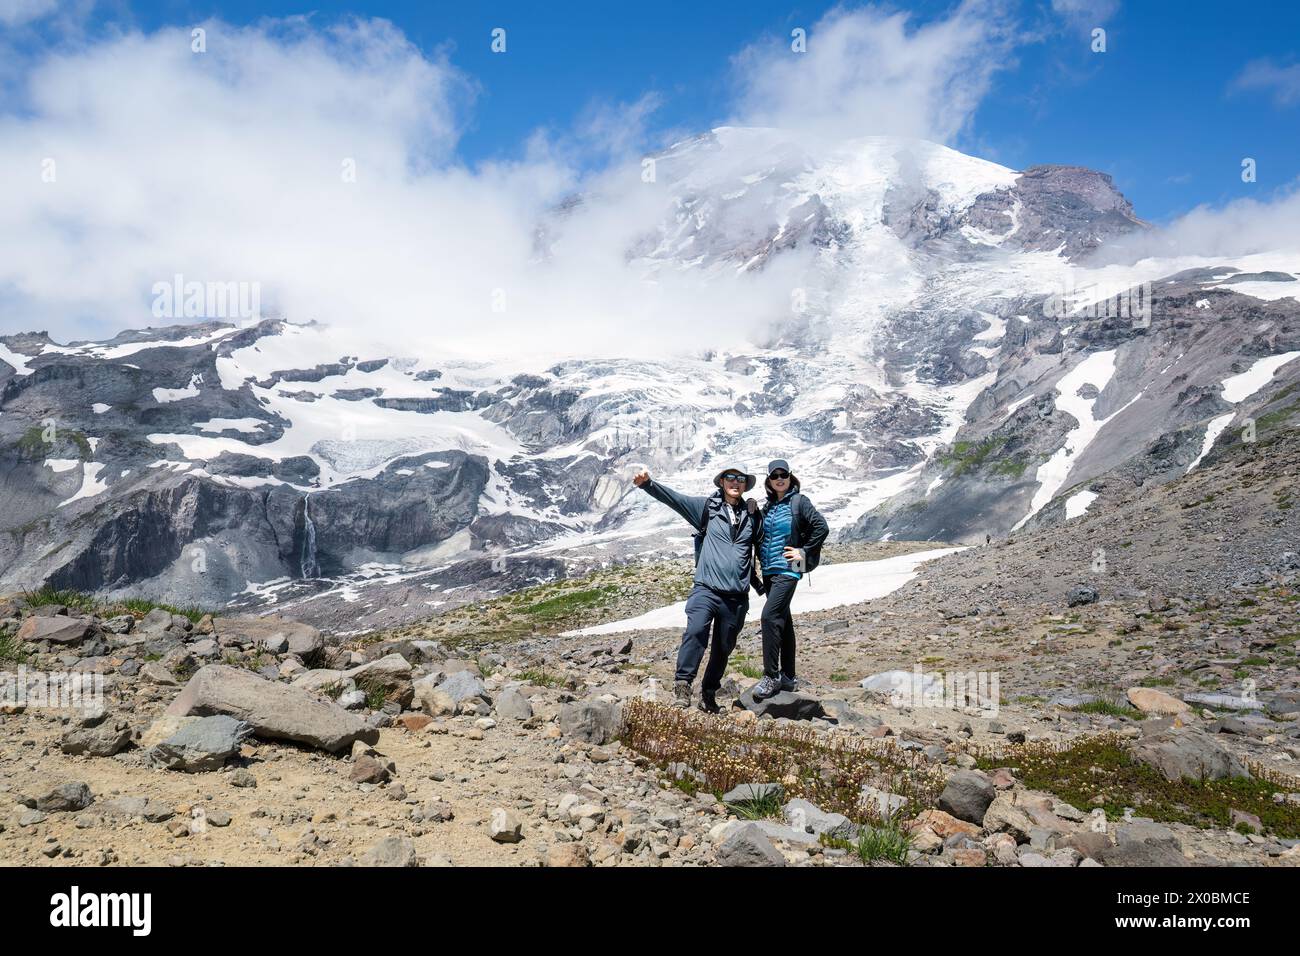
(1158, 110)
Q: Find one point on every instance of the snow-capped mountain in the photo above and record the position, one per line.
(949, 367)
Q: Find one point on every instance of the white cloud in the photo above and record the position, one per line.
(1091, 13)
(1239, 228)
(15, 13)
(1283, 81)
(871, 71)
(227, 166)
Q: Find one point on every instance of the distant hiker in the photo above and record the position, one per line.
(726, 526)
(793, 532)
(988, 539)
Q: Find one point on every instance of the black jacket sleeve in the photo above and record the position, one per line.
(819, 530)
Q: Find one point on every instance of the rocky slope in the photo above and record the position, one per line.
(259, 740)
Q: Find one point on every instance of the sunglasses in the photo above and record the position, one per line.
(732, 476)
(779, 475)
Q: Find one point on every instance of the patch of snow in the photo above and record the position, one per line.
(100, 408)
(1078, 503)
(831, 585)
(1212, 433)
(91, 484)
(19, 362)
(231, 424)
(1237, 388)
(164, 395)
(59, 465)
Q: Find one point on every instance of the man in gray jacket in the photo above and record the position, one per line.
(726, 532)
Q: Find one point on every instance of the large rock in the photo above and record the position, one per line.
(66, 798)
(511, 703)
(1143, 843)
(967, 795)
(788, 703)
(748, 845)
(392, 673)
(1152, 701)
(1003, 816)
(809, 818)
(1182, 752)
(461, 686)
(392, 851)
(206, 744)
(107, 739)
(56, 630)
(275, 711)
(297, 638)
(595, 721)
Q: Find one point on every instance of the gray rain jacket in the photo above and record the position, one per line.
(725, 556)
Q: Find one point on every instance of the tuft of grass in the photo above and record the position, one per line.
(11, 649)
(376, 693)
(139, 607)
(766, 807)
(334, 689)
(73, 600)
(540, 678)
(1106, 707)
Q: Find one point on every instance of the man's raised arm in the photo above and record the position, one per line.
(689, 507)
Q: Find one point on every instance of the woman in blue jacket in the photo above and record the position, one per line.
(793, 532)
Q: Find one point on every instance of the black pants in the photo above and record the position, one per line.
(778, 626)
(708, 611)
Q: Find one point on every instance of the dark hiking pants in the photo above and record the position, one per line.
(710, 613)
(778, 626)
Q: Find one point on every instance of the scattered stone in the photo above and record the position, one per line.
(790, 704)
(511, 703)
(203, 745)
(1082, 594)
(504, 826)
(102, 741)
(392, 851)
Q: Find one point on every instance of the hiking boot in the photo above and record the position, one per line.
(709, 703)
(767, 687)
(792, 683)
(681, 694)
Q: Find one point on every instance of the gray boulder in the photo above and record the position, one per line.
(967, 795)
(511, 703)
(1187, 753)
(595, 721)
(275, 711)
(105, 740)
(807, 817)
(201, 746)
(56, 630)
(66, 798)
(461, 686)
(1143, 843)
(753, 792)
(393, 851)
(749, 846)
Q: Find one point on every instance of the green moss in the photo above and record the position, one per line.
(1101, 771)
